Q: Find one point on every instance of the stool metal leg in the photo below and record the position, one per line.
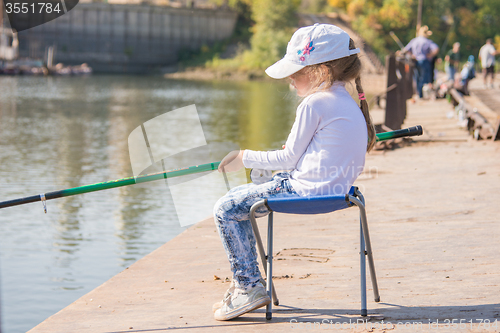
(362, 265)
(362, 252)
(366, 234)
(269, 285)
(260, 245)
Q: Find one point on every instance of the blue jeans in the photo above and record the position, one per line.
(451, 71)
(423, 75)
(232, 218)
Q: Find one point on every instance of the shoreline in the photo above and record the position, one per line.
(372, 83)
(204, 74)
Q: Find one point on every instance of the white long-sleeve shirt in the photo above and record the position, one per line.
(487, 55)
(326, 146)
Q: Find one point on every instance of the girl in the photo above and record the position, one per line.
(325, 151)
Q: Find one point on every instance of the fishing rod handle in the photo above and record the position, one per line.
(411, 131)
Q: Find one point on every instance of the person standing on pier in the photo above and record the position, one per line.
(452, 61)
(487, 55)
(423, 50)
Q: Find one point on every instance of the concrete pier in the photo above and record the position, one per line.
(433, 214)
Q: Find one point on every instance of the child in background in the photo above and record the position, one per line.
(325, 152)
(468, 73)
(451, 61)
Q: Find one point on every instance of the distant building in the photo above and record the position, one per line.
(127, 37)
(170, 3)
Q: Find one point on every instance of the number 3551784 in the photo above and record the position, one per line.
(32, 8)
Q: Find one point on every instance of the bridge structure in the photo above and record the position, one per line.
(126, 38)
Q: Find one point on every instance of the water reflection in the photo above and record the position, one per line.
(58, 133)
(258, 118)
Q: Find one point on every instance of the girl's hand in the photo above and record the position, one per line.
(232, 162)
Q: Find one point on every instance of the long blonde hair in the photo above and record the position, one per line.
(344, 69)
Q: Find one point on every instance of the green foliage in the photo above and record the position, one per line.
(469, 22)
(394, 14)
(274, 15)
(210, 56)
(244, 21)
(267, 46)
(190, 58)
(274, 23)
(274, 20)
(489, 17)
(267, 25)
(314, 6)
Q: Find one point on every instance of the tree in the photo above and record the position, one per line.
(469, 22)
(275, 21)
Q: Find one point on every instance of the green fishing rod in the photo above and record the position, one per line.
(110, 184)
(413, 131)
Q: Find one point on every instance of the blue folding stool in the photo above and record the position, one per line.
(315, 205)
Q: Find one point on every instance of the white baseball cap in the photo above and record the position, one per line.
(312, 45)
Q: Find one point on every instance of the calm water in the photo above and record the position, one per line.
(58, 133)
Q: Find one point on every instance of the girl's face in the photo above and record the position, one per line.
(302, 82)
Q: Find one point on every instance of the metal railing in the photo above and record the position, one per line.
(477, 124)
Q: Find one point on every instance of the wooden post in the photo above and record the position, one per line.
(391, 106)
(399, 74)
(402, 93)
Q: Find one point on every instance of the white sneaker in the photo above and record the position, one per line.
(242, 301)
(227, 295)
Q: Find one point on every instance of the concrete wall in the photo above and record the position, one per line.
(126, 38)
